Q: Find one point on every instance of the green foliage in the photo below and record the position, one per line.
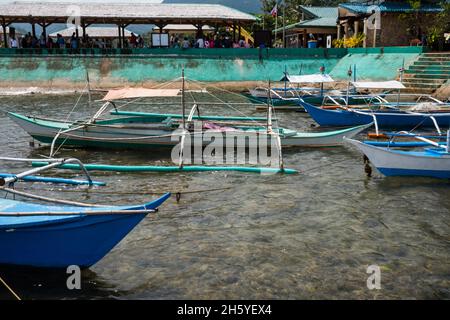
(351, 42)
(434, 25)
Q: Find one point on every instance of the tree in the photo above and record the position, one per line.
(420, 24)
(292, 11)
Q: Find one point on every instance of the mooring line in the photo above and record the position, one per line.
(9, 289)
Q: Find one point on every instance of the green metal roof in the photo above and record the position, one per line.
(325, 17)
(388, 7)
(314, 23)
(321, 12)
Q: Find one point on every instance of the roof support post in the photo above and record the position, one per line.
(346, 30)
(374, 36)
(123, 35)
(83, 26)
(339, 27)
(234, 31)
(77, 34)
(44, 30)
(356, 27)
(33, 29)
(365, 33)
(304, 38)
(239, 31)
(120, 36)
(5, 36)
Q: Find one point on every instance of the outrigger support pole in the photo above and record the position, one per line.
(270, 130)
(448, 141)
(52, 163)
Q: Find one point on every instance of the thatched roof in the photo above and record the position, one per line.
(135, 13)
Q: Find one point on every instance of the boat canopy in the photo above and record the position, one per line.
(378, 85)
(308, 78)
(127, 93)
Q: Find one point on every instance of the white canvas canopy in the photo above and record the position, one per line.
(308, 78)
(378, 85)
(139, 93)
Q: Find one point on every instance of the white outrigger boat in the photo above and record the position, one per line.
(431, 162)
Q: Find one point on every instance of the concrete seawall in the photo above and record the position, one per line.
(55, 70)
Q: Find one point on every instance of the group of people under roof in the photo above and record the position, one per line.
(207, 41)
(31, 41)
(134, 41)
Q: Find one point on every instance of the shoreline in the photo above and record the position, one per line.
(68, 88)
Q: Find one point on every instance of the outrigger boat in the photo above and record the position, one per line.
(130, 129)
(66, 232)
(431, 162)
(429, 115)
(288, 98)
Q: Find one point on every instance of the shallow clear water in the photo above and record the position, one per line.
(305, 236)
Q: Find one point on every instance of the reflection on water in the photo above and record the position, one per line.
(239, 236)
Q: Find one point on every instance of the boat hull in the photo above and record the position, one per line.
(406, 163)
(119, 137)
(387, 119)
(59, 241)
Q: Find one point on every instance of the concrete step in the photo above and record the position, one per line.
(436, 54)
(428, 74)
(425, 75)
(418, 90)
(423, 80)
(437, 59)
(431, 63)
(430, 67)
(422, 85)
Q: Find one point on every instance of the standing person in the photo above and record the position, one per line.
(242, 43)
(50, 43)
(73, 41)
(200, 43)
(185, 43)
(133, 40)
(13, 43)
(140, 42)
(34, 42)
(29, 40)
(42, 41)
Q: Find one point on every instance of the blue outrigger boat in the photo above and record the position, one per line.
(384, 115)
(64, 233)
(58, 236)
(392, 118)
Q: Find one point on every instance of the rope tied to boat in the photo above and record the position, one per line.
(10, 289)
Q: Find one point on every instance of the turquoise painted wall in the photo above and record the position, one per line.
(373, 66)
(49, 69)
(135, 70)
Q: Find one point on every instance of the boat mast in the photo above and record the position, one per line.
(182, 98)
(349, 73)
(269, 102)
